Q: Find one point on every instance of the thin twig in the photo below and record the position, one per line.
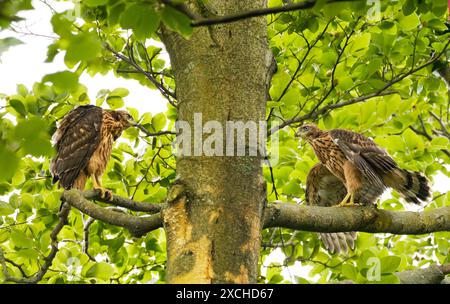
(253, 13)
(164, 91)
(87, 225)
(148, 133)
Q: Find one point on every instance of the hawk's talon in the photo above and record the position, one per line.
(105, 194)
(348, 201)
(347, 204)
(108, 195)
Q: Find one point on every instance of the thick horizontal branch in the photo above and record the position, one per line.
(123, 202)
(137, 225)
(366, 219)
(434, 274)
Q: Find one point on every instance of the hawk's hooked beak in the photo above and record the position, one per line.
(300, 133)
(132, 122)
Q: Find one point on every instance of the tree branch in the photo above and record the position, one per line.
(164, 91)
(146, 132)
(123, 202)
(138, 226)
(289, 6)
(86, 231)
(253, 13)
(435, 274)
(366, 219)
(430, 275)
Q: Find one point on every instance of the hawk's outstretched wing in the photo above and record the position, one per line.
(364, 154)
(379, 169)
(324, 189)
(76, 140)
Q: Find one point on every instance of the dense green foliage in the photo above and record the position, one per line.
(329, 60)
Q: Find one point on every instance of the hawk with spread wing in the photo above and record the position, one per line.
(84, 142)
(362, 166)
(353, 168)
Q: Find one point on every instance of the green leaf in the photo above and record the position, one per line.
(61, 25)
(440, 142)
(9, 162)
(159, 121)
(114, 12)
(121, 92)
(360, 43)
(115, 102)
(93, 3)
(6, 43)
(329, 58)
(66, 81)
(389, 264)
(389, 279)
(22, 90)
(409, 7)
(18, 106)
(177, 21)
(82, 47)
(412, 140)
(141, 18)
(6, 209)
(20, 239)
(35, 138)
(409, 22)
(100, 270)
(146, 118)
(349, 271)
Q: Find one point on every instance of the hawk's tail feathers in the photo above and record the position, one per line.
(339, 242)
(413, 186)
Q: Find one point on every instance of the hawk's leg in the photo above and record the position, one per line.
(353, 182)
(104, 193)
(348, 201)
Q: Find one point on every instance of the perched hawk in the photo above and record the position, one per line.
(365, 169)
(83, 143)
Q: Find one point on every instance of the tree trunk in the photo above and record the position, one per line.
(213, 220)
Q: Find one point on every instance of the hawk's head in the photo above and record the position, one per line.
(308, 131)
(125, 119)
